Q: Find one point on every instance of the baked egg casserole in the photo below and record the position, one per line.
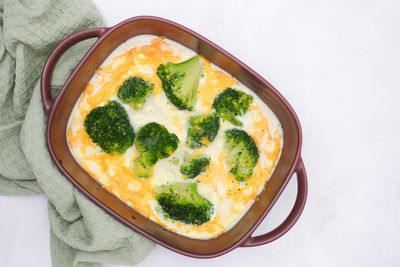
(173, 136)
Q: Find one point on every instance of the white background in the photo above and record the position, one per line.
(338, 65)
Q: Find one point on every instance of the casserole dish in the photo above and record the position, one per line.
(59, 111)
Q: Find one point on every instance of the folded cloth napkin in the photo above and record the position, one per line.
(81, 233)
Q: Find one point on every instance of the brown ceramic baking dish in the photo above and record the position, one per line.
(59, 110)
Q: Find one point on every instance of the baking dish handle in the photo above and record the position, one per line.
(45, 83)
(293, 215)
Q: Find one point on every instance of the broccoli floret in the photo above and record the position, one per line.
(242, 153)
(180, 81)
(108, 126)
(193, 166)
(174, 161)
(134, 91)
(203, 130)
(154, 142)
(231, 103)
(182, 202)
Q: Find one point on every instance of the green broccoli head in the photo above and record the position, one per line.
(108, 126)
(242, 153)
(134, 91)
(180, 81)
(193, 166)
(154, 142)
(231, 103)
(203, 130)
(182, 202)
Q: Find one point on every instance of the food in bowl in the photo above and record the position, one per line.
(174, 137)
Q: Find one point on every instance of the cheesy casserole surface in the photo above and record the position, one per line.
(140, 57)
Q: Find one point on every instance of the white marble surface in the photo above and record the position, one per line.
(338, 64)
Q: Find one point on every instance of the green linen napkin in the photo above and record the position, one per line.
(81, 233)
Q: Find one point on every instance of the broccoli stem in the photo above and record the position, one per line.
(143, 165)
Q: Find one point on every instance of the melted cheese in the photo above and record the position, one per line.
(140, 56)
